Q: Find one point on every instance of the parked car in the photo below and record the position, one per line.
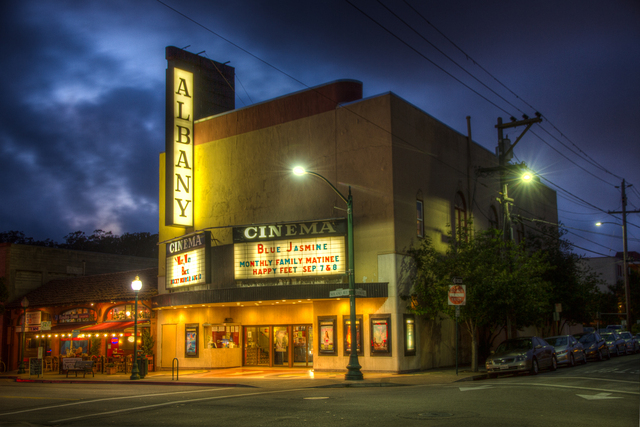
(615, 343)
(526, 354)
(568, 349)
(615, 328)
(631, 344)
(594, 345)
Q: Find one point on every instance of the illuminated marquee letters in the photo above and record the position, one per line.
(187, 261)
(180, 150)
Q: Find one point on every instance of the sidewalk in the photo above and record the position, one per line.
(260, 377)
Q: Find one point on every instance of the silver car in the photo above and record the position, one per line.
(631, 344)
(568, 350)
(526, 354)
(615, 343)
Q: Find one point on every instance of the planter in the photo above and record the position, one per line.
(110, 370)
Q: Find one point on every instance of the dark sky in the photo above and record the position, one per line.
(82, 120)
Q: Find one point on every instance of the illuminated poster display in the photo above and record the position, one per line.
(380, 335)
(290, 250)
(327, 329)
(188, 261)
(347, 335)
(179, 148)
(191, 340)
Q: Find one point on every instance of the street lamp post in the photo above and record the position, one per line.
(136, 285)
(24, 303)
(353, 368)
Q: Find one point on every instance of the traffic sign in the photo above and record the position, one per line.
(457, 295)
(361, 293)
(457, 280)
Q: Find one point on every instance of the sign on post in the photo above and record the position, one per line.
(457, 295)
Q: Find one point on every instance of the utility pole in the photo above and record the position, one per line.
(625, 253)
(505, 153)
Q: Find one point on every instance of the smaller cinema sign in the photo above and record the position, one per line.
(188, 260)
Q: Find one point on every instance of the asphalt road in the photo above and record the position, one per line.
(599, 393)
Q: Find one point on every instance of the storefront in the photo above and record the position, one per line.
(62, 322)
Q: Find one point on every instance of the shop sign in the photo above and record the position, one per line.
(290, 258)
(179, 148)
(313, 248)
(34, 318)
(266, 232)
(187, 260)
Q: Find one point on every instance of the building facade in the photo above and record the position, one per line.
(253, 258)
(65, 317)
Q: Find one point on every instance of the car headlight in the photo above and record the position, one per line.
(593, 346)
(520, 358)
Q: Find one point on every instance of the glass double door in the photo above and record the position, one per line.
(285, 346)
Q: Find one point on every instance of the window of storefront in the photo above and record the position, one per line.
(409, 335)
(420, 218)
(125, 312)
(346, 322)
(327, 332)
(224, 336)
(380, 327)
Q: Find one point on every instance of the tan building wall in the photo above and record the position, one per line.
(390, 153)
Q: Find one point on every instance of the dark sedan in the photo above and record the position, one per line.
(526, 354)
(594, 345)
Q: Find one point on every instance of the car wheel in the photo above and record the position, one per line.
(618, 352)
(554, 363)
(584, 358)
(600, 356)
(608, 354)
(534, 367)
(572, 361)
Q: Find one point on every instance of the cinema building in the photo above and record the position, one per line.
(253, 258)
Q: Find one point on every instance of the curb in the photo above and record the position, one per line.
(141, 382)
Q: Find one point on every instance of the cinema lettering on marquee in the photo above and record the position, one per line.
(188, 261)
(179, 150)
(290, 250)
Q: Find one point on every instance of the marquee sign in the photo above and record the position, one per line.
(179, 148)
(290, 250)
(188, 261)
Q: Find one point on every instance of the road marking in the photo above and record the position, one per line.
(139, 408)
(599, 379)
(315, 398)
(112, 398)
(599, 396)
(474, 388)
(571, 386)
(28, 397)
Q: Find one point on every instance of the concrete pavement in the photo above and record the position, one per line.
(260, 377)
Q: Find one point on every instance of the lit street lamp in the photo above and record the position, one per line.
(136, 285)
(24, 303)
(353, 368)
(625, 267)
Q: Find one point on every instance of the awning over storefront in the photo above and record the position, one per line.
(113, 326)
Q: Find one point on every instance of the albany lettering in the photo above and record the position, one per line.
(182, 148)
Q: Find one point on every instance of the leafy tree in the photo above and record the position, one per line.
(96, 345)
(503, 281)
(147, 342)
(572, 284)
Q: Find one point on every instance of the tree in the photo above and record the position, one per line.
(503, 281)
(147, 342)
(573, 284)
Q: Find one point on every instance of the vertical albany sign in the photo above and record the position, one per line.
(179, 148)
